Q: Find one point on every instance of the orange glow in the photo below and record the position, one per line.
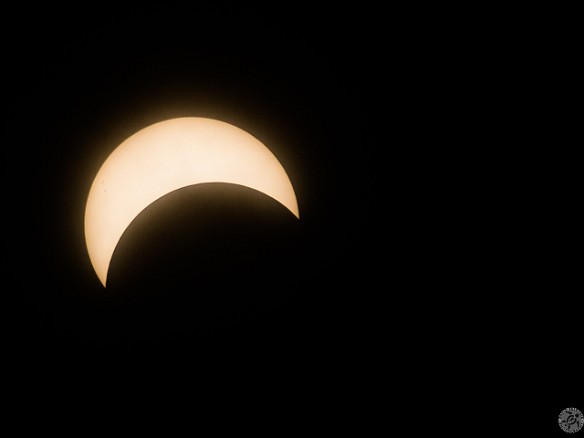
(165, 157)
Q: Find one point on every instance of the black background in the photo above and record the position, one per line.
(419, 280)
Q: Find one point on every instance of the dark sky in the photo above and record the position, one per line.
(215, 283)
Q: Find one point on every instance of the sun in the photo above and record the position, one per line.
(165, 157)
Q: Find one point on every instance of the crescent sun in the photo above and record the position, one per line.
(168, 156)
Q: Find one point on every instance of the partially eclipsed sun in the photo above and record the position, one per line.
(165, 157)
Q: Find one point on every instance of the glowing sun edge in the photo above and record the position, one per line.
(165, 157)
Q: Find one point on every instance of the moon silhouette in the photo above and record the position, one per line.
(165, 157)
